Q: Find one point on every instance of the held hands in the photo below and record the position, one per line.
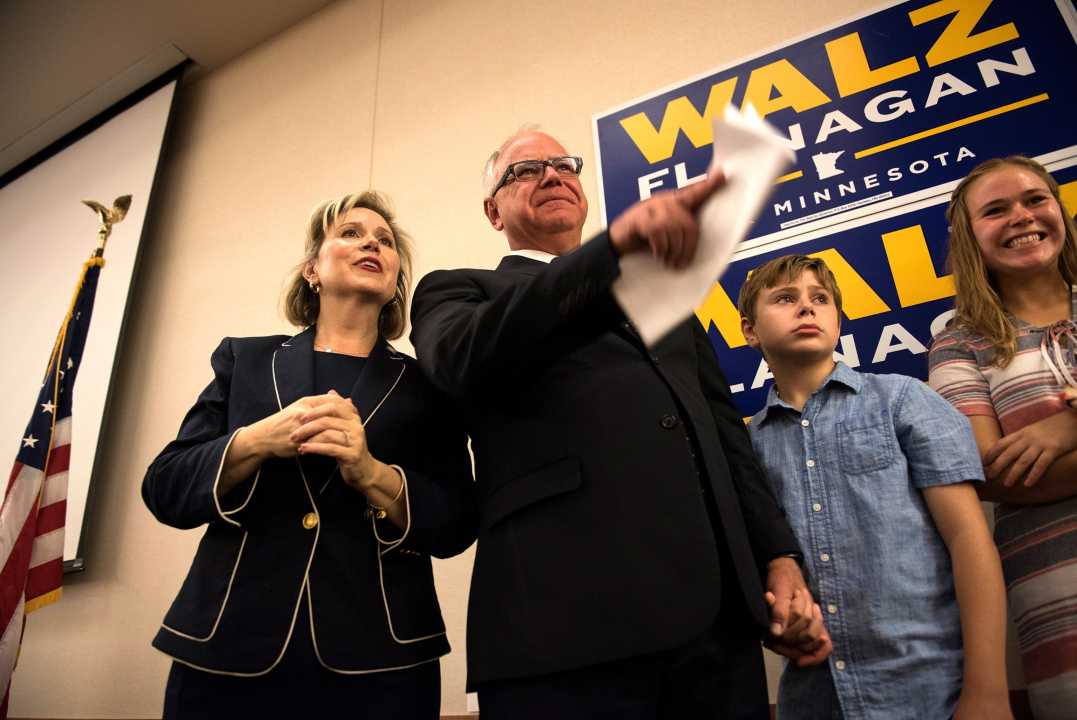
(271, 437)
(323, 425)
(796, 629)
(665, 224)
(1028, 452)
(319, 424)
(331, 426)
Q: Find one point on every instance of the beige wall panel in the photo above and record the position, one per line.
(457, 77)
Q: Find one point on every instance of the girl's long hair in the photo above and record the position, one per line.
(978, 306)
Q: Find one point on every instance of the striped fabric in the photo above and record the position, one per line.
(35, 502)
(1037, 543)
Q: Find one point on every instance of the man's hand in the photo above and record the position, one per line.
(796, 629)
(665, 223)
(788, 596)
(807, 652)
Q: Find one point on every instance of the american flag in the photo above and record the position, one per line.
(35, 503)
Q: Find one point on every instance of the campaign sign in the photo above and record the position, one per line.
(885, 113)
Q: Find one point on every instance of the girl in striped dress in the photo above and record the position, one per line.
(1007, 362)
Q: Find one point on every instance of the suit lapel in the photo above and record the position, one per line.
(628, 331)
(293, 373)
(380, 375)
(293, 368)
(293, 378)
(520, 265)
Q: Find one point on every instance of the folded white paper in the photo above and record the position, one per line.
(752, 155)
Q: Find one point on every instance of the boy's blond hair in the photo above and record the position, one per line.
(786, 268)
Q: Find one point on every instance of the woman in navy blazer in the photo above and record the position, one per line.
(327, 471)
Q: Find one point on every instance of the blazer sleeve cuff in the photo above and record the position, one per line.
(383, 529)
(236, 499)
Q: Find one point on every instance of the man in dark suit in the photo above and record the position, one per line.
(627, 535)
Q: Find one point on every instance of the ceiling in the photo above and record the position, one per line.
(64, 61)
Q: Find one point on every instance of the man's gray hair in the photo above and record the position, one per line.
(489, 172)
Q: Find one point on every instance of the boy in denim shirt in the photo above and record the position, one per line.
(875, 473)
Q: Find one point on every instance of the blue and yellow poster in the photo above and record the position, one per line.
(886, 113)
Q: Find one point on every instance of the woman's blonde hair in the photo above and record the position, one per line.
(978, 306)
(302, 304)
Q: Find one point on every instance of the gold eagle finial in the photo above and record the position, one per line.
(108, 217)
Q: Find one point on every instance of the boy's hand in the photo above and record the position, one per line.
(973, 705)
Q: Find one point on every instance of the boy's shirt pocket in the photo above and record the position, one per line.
(865, 444)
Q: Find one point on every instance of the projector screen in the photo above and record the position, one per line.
(46, 233)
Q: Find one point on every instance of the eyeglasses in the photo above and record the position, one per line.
(529, 170)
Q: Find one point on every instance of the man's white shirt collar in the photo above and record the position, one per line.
(539, 255)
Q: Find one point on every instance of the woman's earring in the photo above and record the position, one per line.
(314, 287)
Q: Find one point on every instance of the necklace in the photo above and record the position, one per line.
(319, 348)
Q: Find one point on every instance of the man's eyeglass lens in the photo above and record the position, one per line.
(528, 170)
(533, 169)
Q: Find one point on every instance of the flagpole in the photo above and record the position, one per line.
(33, 508)
(108, 217)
